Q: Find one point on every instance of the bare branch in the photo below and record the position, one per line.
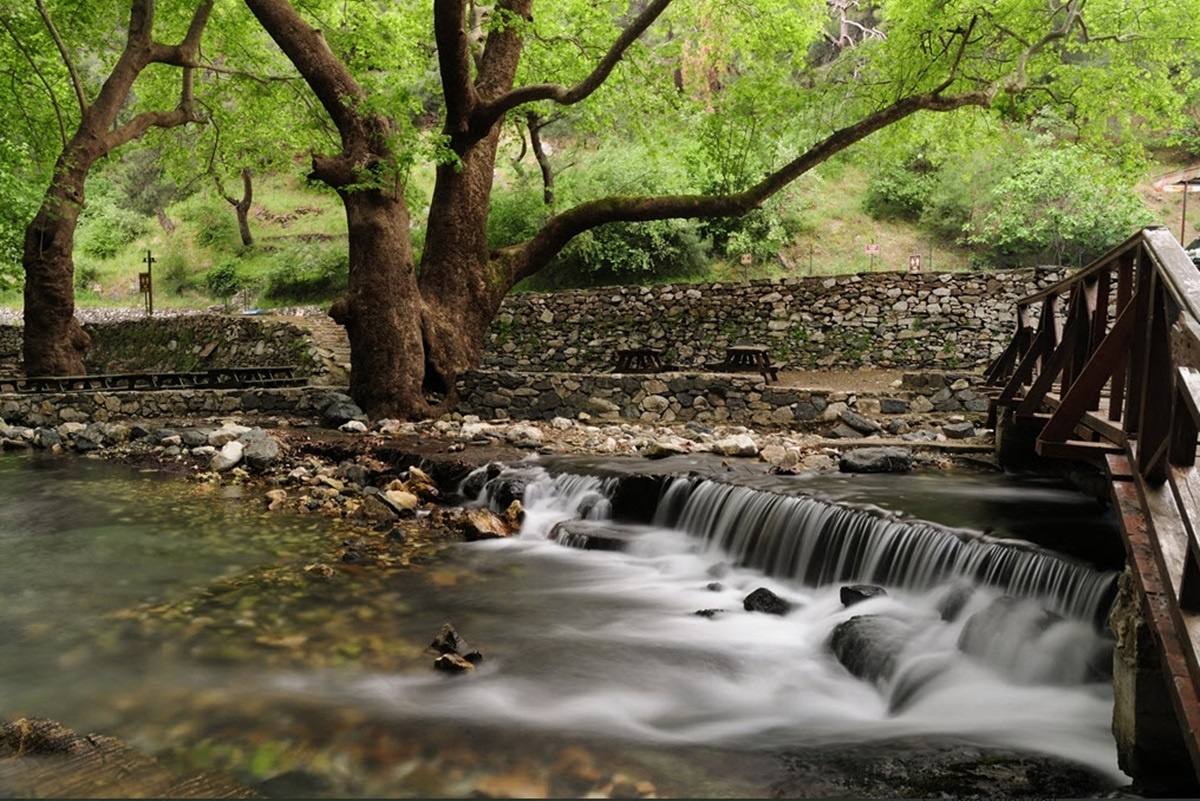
(76, 83)
(487, 114)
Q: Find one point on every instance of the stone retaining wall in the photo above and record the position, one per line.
(181, 344)
(936, 320)
(51, 409)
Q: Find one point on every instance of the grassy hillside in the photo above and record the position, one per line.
(299, 254)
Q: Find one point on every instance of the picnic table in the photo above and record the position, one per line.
(639, 360)
(748, 359)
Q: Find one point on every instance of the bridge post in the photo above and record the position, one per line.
(1150, 746)
(1016, 442)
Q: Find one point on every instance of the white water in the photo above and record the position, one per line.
(610, 645)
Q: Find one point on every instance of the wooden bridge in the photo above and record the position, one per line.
(1105, 367)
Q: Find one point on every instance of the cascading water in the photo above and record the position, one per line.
(977, 640)
(820, 543)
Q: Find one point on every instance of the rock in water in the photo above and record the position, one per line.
(869, 645)
(483, 524)
(228, 457)
(453, 664)
(502, 491)
(763, 600)
(448, 640)
(852, 594)
(876, 460)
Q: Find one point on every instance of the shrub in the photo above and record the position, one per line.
(174, 266)
(626, 253)
(901, 190)
(106, 228)
(515, 215)
(86, 274)
(308, 272)
(223, 281)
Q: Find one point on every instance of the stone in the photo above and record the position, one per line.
(737, 445)
(852, 594)
(763, 600)
(228, 457)
(204, 452)
(888, 459)
(353, 427)
(483, 524)
(893, 406)
(340, 412)
(869, 646)
(448, 641)
(843, 431)
(662, 448)
(921, 405)
(46, 438)
(959, 430)
(275, 498)
(453, 664)
(422, 484)
(400, 501)
(503, 490)
(261, 452)
(195, 437)
(226, 433)
(708, 613)
(524, 436)
(859, 423)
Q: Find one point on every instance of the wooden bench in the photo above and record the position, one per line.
(639, 360)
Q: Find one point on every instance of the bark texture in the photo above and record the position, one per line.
(241, 205)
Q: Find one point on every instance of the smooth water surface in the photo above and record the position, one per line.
(185, 623)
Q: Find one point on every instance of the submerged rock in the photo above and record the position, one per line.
(876, 460)
(852, 594)
(708, 613)
(763, 600)
(448, 640)
(503, 490)
(591, 535)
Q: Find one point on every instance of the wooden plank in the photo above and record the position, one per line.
(1085, 391)
(1078, 449)
(1097, 265)
(1182, 688)
(1049, 370)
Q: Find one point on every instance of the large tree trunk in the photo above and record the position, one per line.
(54, 342)
(380, 307)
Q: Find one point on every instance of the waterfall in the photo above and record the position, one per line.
(812, 541)
(819, 543)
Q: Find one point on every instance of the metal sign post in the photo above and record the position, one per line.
(146, 283)
(872, 250)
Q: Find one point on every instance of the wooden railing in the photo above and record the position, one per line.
(1110, 371)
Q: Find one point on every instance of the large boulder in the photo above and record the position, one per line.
(226, 433)
(504, 489)
(876, 460)
(763, 600)
(869, 646)
(195, 437)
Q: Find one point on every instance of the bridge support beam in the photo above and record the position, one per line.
(1150, 746)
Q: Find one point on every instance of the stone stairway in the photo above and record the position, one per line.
(331, 344)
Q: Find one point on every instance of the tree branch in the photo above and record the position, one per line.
(527, 258)
(487, 114)
(58, 115)
(454, 62)
(76, 83)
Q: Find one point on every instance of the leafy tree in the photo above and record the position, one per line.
(414, 327)
(92, 122)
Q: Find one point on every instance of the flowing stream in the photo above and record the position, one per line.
(325, 687)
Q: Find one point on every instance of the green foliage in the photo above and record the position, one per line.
(1058, 204)
(223, 281)
(19, 199)
(105, 228)
(626, 253)
(901, 190)
(515, 215)
(308, 272)
(214, 220)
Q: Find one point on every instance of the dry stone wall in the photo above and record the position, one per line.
(936, 320)
(182, 343)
